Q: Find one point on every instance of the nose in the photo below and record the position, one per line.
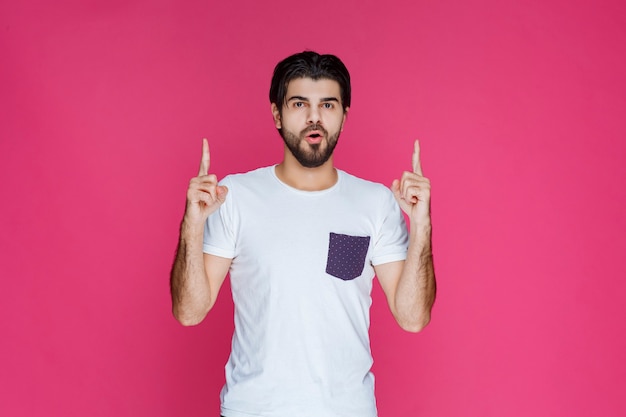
(313, 116)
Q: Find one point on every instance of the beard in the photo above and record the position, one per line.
(310, 155)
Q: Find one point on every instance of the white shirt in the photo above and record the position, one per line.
(301, 278)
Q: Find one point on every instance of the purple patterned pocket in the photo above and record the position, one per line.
(346, 255)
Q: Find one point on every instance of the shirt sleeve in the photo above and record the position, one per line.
(219, 236)
(392, 240)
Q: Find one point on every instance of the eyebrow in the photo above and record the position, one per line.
(325, 99)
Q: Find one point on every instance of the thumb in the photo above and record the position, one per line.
(395, 189)
(221, 193)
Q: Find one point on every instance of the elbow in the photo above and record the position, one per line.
(188, 319)
(415, 325)
(191, 312)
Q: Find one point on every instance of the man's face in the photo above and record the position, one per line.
(311, 119)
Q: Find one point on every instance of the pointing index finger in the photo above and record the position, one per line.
(205, 162)
(417, 166)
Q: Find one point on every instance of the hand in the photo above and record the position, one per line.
(204, 196)
(413, 190)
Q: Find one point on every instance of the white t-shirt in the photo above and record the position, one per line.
(301, 278)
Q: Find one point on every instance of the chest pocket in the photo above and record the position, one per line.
(346, 255)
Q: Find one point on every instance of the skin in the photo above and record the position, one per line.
(409, 285)
(309, 102)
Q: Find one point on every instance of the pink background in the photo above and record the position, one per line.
(520, 107)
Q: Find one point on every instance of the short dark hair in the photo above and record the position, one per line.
(309, 64)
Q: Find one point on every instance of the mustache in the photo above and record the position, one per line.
(314, 127)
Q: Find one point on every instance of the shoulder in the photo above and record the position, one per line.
(366, 192)
(358, 184)
(250, 178)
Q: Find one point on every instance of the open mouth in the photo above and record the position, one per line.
(314, 138)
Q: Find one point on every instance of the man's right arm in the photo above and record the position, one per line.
(196, 277)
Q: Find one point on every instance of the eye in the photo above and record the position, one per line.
(298, 104)
(328, 105)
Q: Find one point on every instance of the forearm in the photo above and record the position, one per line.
(416, 290)
(189, 283)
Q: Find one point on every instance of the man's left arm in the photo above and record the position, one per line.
(410, 285)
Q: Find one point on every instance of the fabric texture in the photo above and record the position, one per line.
(301, 279)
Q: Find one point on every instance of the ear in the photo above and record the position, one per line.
(276, 115)
(345, 116)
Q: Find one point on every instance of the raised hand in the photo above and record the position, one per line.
(204, 196)
(412, 191)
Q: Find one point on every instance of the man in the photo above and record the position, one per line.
(302, 241)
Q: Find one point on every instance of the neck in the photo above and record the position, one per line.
(295, 175)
